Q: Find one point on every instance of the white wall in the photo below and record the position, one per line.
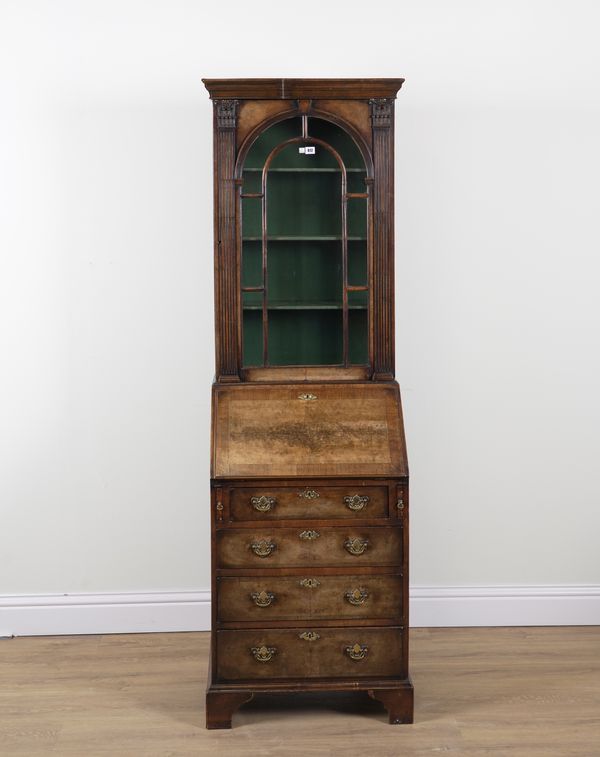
(106, 279)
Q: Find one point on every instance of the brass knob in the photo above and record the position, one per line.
(263, 503)
(309, 535)
(309, 636)
(262, 598)
(263, 654)
(309, 583)
(356, 546)
(356, 501)
(357, 597)
(357, 651)
(263, 548)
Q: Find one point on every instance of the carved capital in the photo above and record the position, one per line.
(226, 111)
(381, 112)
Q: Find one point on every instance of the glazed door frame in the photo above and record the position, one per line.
(228, 187)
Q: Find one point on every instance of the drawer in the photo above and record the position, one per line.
(309, 653)
(315, 597)
(279, 503)
(297, 547)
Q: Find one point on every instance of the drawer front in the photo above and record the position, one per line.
(313, 597)
(309, 653)
(296, 547)
(279, 503)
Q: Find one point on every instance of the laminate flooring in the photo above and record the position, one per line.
(519, 692)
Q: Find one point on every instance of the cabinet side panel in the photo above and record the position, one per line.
(382, 116)
(226, 289)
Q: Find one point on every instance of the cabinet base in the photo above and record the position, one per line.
(223, 700)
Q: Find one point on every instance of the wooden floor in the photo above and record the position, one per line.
(530, 692)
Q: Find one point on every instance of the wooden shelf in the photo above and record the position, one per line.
(307, 170)
(304, 306)
(299, 239)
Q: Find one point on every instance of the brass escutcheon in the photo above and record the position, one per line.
(309, 636)
(262, 598)
(263, 654)
(356, 546)
(309, 535)
(263, 548)
(263, 503)
(309, 494)
(357, 651)
(309, 583)
(356, 501)
(357, 597)
(307, 397)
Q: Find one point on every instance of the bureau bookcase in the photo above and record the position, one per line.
(309, 478)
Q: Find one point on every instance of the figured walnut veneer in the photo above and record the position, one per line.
(350, 429)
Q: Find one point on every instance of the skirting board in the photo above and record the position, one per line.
(430, 606)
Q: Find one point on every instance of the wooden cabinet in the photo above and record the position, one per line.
(309, 479)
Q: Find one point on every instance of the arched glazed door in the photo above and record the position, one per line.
(304, 247)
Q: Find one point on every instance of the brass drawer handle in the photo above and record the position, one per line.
(309, 535)
(357, 597)
(263, 548)
(357, 652)
(400, 504)
(263, 654)
(309, 636)
(263, 504)
(309, 583)
(356, 501)
(262, 598)
(356, 546)
(309, 494)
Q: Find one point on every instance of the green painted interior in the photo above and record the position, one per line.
(305, 337)
(358, 345)
(357, 218)
(253, 338)
(357, 263)
(307, 271)
(304, 204)
(304, 249)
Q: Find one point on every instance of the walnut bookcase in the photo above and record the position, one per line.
(309, 479)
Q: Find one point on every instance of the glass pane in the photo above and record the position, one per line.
(357, 263)
(305, 337)
(253, 338)
(304, 273)
(304, 204)
(339, 139)
(252, 300)
(252, 180)
(357, 218)
(355, 181)
(270, 138)
(251, 264)
(358, 300)
(358, 336)
(251, 218)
